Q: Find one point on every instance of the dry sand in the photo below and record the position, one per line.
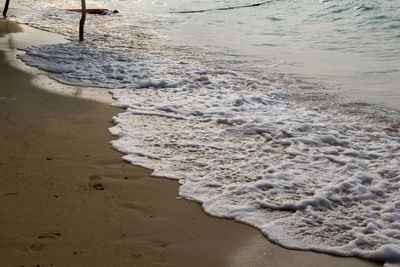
(67, 198)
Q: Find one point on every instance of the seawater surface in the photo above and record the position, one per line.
(231, 99)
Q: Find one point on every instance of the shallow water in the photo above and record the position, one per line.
(261, 133)
(348, 47)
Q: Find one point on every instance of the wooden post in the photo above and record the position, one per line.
(6, 8)
(82, 22)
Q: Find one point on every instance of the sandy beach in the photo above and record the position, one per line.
(68, 199)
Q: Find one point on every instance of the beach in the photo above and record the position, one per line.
(68, 199)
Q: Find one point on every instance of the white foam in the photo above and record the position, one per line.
(241, 147)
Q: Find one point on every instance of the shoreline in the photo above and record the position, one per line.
(79, 204)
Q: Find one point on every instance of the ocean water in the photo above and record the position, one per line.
(283, 115)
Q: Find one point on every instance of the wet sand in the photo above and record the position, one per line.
(67, 198)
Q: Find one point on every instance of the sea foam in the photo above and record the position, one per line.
(243, 148)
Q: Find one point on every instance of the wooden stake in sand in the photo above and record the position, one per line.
(6, 8)
(82, 22)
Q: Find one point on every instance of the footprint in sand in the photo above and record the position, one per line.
(138, 208)
(94, 183)
(134, 206)
(44, 239)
